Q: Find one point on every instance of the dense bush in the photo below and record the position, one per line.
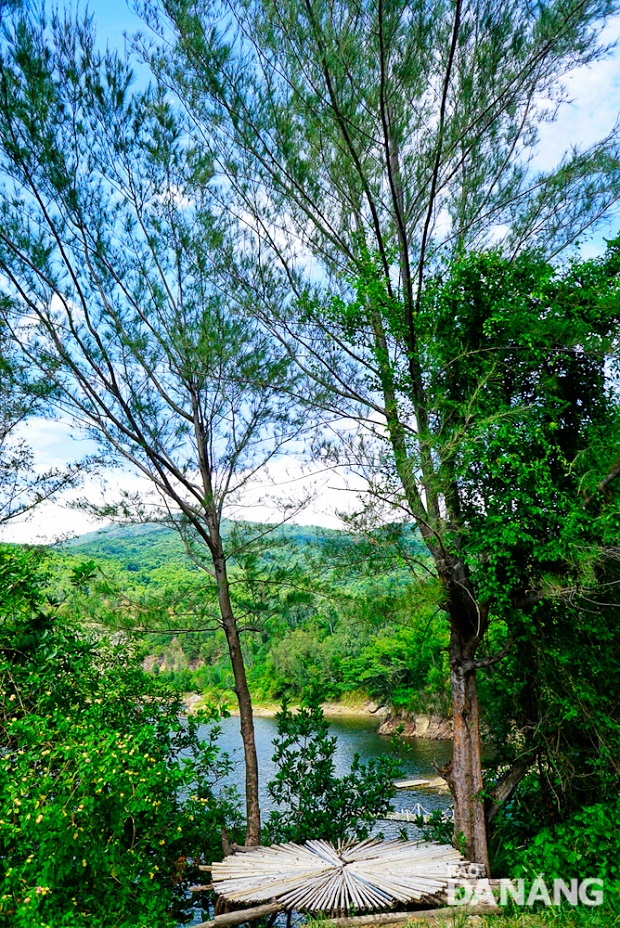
(586, 845)
(106, 793)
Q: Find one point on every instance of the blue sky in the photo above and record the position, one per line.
(113, 18)
(594, 107)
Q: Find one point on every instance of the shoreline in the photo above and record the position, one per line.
(427, 727)
(266, 710)
(330, 710)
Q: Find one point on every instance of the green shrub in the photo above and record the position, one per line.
(586, 845)
(106, 793)
(313, 802)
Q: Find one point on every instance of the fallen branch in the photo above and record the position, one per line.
(506, 785)
(241, 916)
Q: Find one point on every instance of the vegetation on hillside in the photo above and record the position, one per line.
(355, 617)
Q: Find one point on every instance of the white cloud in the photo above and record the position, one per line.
(282, 488)
(317, 495)
(593, 108)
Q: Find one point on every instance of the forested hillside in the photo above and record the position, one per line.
(354, 616)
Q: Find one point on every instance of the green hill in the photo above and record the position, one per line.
(146, 548)
(348, 613)
(135, 547)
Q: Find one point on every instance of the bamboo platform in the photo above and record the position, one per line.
(423, 783)
(317, 877)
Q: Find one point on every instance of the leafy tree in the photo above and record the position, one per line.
(374, 149)
(113, 245)
(552, 709)
(313, 801)
(106, 793)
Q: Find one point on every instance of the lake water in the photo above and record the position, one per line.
(355, 735)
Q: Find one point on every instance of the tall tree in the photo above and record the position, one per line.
(119, 259)
(368, 145)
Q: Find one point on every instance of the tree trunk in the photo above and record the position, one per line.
(246, 719)
(465, 773)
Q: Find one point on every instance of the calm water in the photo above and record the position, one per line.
(354, 735)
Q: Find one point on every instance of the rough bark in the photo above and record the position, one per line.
(465, 777)
(244, 700)
(468, 624)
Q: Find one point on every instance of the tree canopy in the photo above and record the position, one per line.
(376, 149)
(338, 206)
(119, 262)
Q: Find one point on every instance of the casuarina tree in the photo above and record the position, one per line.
(370, 148)
(115, 257)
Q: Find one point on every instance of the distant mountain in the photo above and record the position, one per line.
(354, 622)
(147, 548)
(142, 548)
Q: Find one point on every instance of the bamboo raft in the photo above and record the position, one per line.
(317, 877)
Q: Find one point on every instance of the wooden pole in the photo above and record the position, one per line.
(242, 915)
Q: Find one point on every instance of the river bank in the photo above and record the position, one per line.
(430, 727)
(267, 710)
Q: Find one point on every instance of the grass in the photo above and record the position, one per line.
(552, 917)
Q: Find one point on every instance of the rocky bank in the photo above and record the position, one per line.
(433, 727)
